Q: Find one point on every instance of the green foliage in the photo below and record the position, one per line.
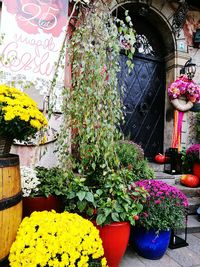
(110, 201)
(131, 156)
(142, 171)
(129, 153)
(79, 197)
(186, 166)
(116, 203)
(93, 108)
(52, 181)
(92, 113)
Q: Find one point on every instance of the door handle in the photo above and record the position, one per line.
(143, 108)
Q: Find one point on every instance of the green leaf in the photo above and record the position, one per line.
(93, 165)
(130, 56)
(128, 62)
(115, 216)
(126, 207)
(128, 18)
(123, 216)
(90, 211)
(132, 50)
(120, 29)
(81, 205)
(71, 195)
(99, 192)
(89, 197)
(107, 211)
(117, 207)
(81, 195)
(140, 207)
(135, 194)
(101, 218)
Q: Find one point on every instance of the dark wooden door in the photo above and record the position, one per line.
(143, 98)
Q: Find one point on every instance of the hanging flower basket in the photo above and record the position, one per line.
(5, 145)
(186, 89)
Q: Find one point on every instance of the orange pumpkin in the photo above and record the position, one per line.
(189, 180)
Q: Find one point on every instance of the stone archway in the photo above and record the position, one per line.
(160, 14)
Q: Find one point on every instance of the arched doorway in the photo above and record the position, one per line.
(144, 88)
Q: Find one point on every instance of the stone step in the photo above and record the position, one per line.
(194, 203)
(162, 176)
(188, 191)
(193, 225)
(156, 167)
(174, 180)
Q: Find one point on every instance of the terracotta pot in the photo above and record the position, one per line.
(196, 169)
(31, 204)
(115, 237)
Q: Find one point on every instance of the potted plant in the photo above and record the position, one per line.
(53, 239)
(164, 209)
(92, 108)
(42, 189)
(131, 156)
(20, 117)
(109, 204)
(192, 159)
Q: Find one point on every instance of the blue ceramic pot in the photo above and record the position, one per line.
(150, 244)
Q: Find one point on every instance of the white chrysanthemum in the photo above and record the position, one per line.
(29, 180)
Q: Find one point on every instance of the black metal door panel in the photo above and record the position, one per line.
(143, 98)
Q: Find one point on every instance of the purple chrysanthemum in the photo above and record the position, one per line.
(165, 205)
(193, 153)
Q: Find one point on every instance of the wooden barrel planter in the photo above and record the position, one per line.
(10, 202)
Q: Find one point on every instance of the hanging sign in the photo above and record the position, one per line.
(34, 33)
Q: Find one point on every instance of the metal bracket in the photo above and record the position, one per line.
(179, 17)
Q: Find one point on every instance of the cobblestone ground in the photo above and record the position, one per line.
(186, 257)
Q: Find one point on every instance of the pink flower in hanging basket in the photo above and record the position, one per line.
(193, 92)
(184, 87)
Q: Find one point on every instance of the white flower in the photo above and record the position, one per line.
(29, 181)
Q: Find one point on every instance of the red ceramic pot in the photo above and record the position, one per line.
(31, 204)
(196, 169)
(115, 237)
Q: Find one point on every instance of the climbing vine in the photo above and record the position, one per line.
(92, 108)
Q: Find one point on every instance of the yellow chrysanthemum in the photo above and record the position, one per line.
(53, 239)
(36, 124)
(19, 110)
